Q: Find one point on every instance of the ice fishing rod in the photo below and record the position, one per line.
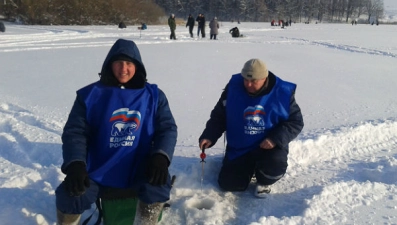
(202, 156)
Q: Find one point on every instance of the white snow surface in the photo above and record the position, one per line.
(342, 167)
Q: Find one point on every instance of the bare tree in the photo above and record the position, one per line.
(374, 9)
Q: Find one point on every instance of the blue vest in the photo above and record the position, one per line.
(249, 119)
(121, 123)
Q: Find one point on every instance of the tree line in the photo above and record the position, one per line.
(267, 10)
(81, 12)
(94, 12)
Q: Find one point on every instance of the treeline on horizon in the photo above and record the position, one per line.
(104, 12)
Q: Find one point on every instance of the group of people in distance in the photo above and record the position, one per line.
(121, 135)
(213, 25)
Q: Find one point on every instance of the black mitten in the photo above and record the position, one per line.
(76, 178)
(158, 170)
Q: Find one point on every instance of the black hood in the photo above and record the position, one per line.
(124, 49)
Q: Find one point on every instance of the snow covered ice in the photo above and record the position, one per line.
(342, 167)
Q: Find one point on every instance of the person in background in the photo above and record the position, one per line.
(202, 26)
(172, 25)
(259, 113)
(198, 19)
(122, 25)
(214, 26)
(120, 134)
(190, 23)
(235, 32)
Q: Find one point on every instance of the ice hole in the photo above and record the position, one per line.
(203, 204)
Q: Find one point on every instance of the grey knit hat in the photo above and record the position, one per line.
(254, 69)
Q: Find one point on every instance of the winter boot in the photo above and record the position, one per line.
(148, 214)
(67, 219)
(261, 191)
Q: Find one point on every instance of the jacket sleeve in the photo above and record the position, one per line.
(216, 125)
(75, 135)
(286, 131)
(165, 134)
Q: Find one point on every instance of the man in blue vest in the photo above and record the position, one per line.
(120, 134)
(259, 113)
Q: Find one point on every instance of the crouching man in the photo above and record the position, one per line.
(120, 135)
(259, 113)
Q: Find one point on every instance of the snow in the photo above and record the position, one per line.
(342, 167)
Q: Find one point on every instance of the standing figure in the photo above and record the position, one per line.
(198, 19)
(190, 22)
(172, 25)
(202, 25)
(120, 135)
(214, 26)
(2, 27)
(259, 113)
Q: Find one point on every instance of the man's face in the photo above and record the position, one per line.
(253, 86)
(123, 70)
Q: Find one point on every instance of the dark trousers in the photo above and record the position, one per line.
(202, 31)
(145, 192)
(191, 31)
(172, 35)
(76, 205)
(268, 166)
(213, 36)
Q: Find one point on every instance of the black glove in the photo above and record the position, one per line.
(158, 170)
(76, 179)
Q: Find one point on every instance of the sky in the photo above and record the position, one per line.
(390, 10)
(342, 167)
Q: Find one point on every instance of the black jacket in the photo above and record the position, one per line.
(200, 21)
(190, 22)
(281, 135)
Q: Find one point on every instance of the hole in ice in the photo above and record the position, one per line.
(201, 203)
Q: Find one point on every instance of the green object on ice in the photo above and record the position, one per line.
(120, 211)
